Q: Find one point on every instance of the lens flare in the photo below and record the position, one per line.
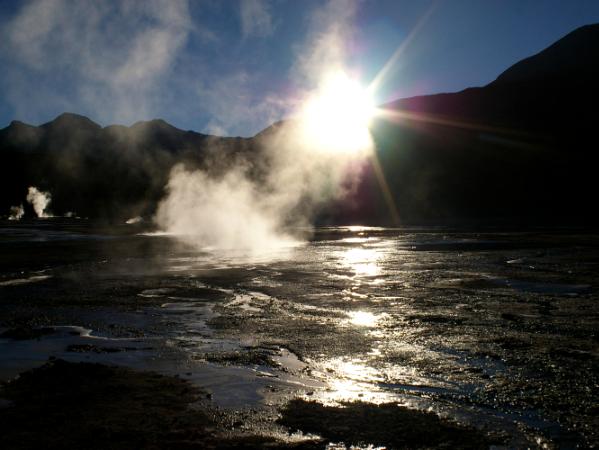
(337, 116)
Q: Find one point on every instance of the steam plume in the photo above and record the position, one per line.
(39, 200)
(114, 55)
(226, 212)
(236, 210)
(259, 203)
(16, 212)
(134, 220)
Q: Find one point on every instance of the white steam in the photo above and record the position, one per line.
(39, 200)
(236, 210)
(240, 209)
(16, 212)
(227, 212)
(114, 55)
(134, 220)
(324, 50)
(256, 19)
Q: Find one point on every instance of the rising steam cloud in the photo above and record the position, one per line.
(227, 212)
(114, 55)
(16, 212)
(238, 209)
(39, 200)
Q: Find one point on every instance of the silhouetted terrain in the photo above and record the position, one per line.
(521, 149)
(108, 173)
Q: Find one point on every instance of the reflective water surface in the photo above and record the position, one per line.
(497, 330)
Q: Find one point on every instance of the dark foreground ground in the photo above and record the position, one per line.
(411, 338)
(84, 405)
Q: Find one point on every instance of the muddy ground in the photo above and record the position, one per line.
(87, 405)
(412, 338)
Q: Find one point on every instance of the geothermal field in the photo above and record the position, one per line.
(361, 335)
(315, 224)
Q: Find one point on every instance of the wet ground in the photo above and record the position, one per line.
(468, 339)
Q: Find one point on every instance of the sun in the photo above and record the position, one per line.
(337, 116)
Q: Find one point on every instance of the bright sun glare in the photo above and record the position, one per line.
(336, 119)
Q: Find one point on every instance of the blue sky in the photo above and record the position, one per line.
(233, 67)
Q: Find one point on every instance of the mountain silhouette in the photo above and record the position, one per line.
(109, 173)
(522, 149)
(574, 54)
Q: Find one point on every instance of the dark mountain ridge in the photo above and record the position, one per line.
(522, 149)
(574, 54)
(109, 173)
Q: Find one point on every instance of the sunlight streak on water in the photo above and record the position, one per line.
(20, 281)
(353, 380)
(361, 228)
(364, 319)
(356, 370)
(358, 240)
(362, 261)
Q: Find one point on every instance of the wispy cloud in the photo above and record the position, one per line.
(111, 55)
(120, 61)
(325, 46)
(231, 100)
(256, 18)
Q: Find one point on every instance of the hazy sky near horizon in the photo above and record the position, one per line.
(233, 67)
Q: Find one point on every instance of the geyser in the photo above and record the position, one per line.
(39, 200)
(263, 198)
(16, 212)
(226, 212)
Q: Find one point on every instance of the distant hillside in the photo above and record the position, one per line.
(574, 57)
(110, 173)
(523, 149)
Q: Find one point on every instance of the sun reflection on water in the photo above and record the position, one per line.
(353, 380)
(364, 319)
(362, 261)
(362, 228)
